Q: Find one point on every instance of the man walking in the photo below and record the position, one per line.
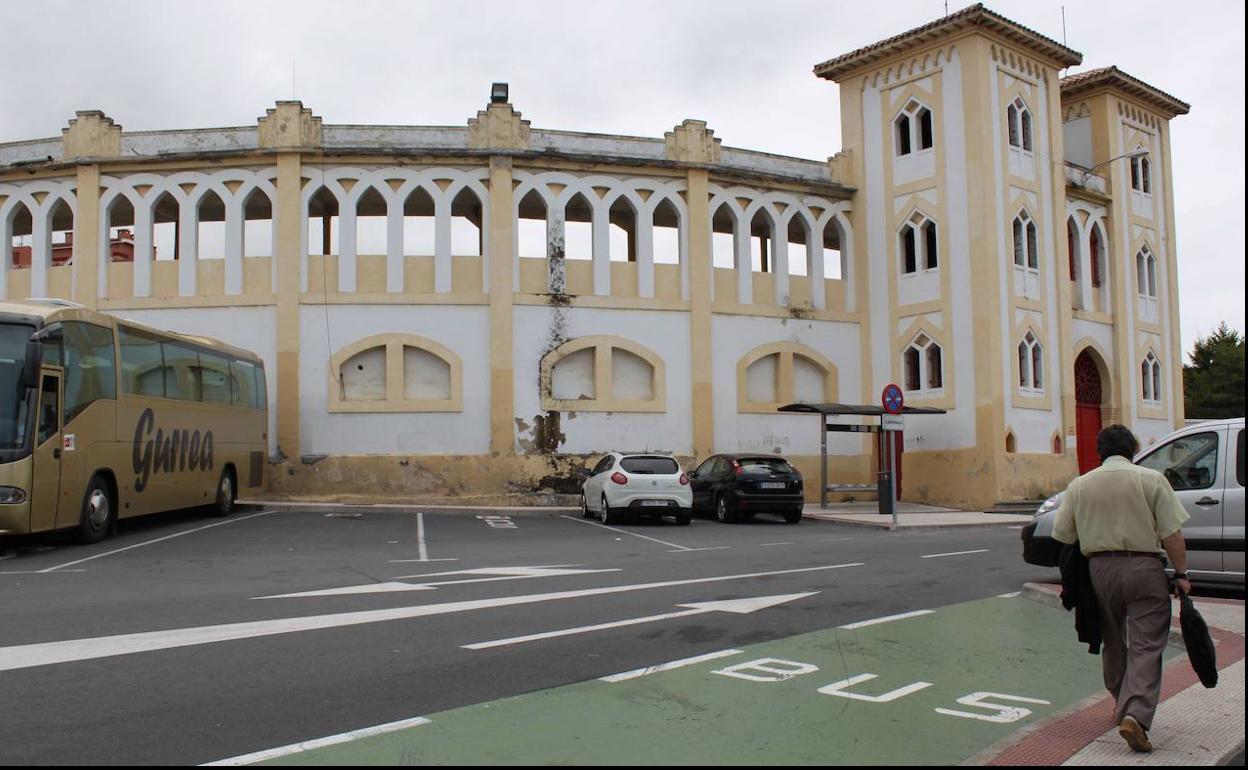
(1122, 516)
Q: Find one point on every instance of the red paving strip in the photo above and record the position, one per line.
(1054, 743)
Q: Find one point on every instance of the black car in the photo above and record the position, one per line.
(732, 487)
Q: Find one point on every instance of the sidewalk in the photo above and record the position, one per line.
(1193, 725)
(911, 516)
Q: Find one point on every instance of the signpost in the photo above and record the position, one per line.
(893, 400)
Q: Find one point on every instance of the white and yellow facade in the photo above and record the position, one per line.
(707, 285)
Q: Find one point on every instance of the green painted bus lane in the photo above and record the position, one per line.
(927, 689)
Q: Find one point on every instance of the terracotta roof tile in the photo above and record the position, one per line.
(1081, 83)
(974, 16)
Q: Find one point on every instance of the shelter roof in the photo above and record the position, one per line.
(864, 410)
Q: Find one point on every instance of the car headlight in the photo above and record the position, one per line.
(12, 495)
(1049, 505)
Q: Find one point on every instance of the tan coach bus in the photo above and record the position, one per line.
(102, 419)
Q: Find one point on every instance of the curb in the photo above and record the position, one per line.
(888, 526)
(1062, 737)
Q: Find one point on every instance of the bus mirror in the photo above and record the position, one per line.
(34, 360)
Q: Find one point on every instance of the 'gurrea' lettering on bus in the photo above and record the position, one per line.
(172, 452)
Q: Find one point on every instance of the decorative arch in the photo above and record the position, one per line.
(395, 372)
(40, 198)
(612, 374)
(786, 363)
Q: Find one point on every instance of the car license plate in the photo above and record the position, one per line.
(772, 485)
(662, 503)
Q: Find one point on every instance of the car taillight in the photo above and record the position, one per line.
(619, 478)
(737, 469)
(684, 479)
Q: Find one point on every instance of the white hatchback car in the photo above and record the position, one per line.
(637, 485)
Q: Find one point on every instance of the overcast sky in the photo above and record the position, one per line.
(636, 67)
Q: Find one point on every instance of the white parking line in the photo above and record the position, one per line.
(637, 673)
(332, 740)
(708, 548)
(762, 545)
(634, 534)
(157, 540)
(955, 553)
(890, 618)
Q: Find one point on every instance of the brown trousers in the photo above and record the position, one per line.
(1133, 593)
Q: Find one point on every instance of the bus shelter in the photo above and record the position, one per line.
(886, 432)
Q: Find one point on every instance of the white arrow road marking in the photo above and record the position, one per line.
(47, 653)
(499, 573)
(737, 606)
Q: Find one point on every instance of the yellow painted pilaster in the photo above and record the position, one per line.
(1065, 287)
(1176, 342)
(700, 312)
(288, 214)
(87, 237)
(502, 277)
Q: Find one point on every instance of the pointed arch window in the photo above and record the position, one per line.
(1150, 379)
(919, 244)
(913, 129)
(1031, 364)
(1142, 173)
(923, 365)
(1018, 119)
(1096, 255)
(1146, 273)
(1026, 251)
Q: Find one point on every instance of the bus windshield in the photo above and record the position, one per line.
(13, 338)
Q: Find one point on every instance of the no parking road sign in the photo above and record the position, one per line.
(892, 398)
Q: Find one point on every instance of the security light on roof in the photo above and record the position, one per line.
(498, 93)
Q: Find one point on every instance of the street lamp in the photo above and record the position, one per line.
(1139, 152)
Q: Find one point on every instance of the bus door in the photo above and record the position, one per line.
(45, 490)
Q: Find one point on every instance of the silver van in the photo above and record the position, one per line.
(1204, 463)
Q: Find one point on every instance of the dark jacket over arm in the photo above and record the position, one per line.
(1077, 594)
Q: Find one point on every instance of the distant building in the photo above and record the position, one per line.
(121, 250)
(995, 238)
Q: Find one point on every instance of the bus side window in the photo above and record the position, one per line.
(142, 367)
(214, 378)
(90, 367)
(243, 377)
(49, 411)
(182, 379)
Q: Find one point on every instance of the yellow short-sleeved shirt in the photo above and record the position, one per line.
(1118, 507)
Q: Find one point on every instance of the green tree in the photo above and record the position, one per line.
(1214, 384)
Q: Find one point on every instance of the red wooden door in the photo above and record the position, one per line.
(1087, 425)
(1087, 411)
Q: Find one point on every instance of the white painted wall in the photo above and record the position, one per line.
(665, 333)
(250, 328)
(1077, 141)
(798, 434)
(465, 330)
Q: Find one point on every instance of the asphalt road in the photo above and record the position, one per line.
(85, 678)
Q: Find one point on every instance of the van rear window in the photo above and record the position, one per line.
(650, 465)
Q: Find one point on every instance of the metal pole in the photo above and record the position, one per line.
(823, 460)
(892, 474)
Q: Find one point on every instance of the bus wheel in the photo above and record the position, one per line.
(226, 494)
(97, 512)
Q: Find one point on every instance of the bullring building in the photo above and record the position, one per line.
(477, 309)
